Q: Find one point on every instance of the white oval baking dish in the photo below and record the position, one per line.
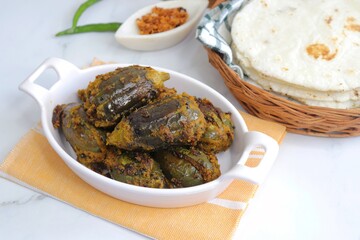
(71, 78)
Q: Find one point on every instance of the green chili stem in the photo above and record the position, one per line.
(81, 9)
(98, 27)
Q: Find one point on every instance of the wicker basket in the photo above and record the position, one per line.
(298, 118)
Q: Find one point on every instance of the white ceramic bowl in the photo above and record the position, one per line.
(128, 34)
(232, 161)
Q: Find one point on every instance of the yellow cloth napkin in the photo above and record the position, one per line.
(33, 163)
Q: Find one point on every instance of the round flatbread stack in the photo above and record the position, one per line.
(306, 50)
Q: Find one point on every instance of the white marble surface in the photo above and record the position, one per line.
(312, 192)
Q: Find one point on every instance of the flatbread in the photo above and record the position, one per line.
(279, 86)
(307, 50)
(331, 104)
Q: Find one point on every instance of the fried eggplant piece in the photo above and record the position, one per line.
(135, 168)
(112, 95)
(219, 132)
(186, 167)
(173, 120)
(87, 141)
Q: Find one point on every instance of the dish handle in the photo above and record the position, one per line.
(256, 174)
(63, 69)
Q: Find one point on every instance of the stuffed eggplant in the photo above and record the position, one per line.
(112, 95)
(135, 168)
(87, 141)
(171, 121)
(186, 167)
(219, 131)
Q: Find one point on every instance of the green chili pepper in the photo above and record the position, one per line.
(82, 9)
(95, 27)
